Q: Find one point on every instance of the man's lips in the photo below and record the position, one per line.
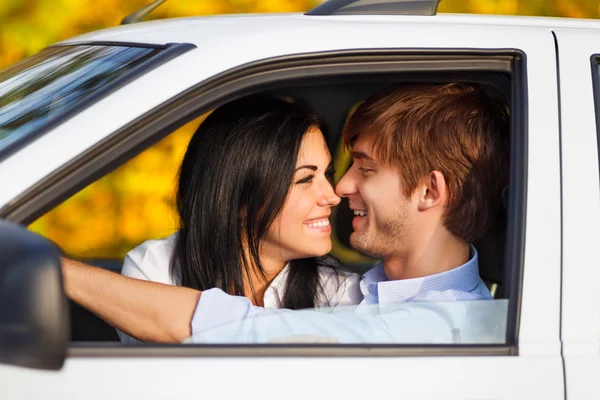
(359, 219)
(358, 211)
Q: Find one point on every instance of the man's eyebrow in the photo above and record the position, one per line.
(359, 155)
(311, 167)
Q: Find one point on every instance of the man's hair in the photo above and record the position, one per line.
(452, 128)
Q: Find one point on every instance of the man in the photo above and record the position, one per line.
(430, 162)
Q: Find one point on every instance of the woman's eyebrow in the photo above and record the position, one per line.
(311, 167)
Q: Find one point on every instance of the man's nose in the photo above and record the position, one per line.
(346, 185)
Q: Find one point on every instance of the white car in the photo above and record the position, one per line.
(84, 106)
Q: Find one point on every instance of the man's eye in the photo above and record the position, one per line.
(365, 170)
(307, 179)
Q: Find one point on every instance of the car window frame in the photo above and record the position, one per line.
(595, 64)
(130, 140)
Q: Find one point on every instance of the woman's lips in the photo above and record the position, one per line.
(319, 224)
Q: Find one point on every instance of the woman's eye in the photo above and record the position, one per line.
(307, 179)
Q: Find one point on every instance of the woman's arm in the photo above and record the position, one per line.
(148, 311)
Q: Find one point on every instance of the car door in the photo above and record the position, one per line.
(528, 365)
(579, 52)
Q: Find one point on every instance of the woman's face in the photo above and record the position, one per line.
(302, 228)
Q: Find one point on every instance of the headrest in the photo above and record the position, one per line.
(505, 197)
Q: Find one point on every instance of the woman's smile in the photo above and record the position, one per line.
(320, 224)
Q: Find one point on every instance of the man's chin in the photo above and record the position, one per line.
(367, 245)
(361, 242)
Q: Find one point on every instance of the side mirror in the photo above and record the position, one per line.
(34, 317)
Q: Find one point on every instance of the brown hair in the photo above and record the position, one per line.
(452, 128)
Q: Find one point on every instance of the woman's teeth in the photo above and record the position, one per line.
(360, 213)
(319, 223)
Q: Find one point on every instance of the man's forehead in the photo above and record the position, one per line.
(363, 149)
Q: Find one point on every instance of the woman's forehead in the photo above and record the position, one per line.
(313, 147)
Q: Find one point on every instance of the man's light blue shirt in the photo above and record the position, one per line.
(391, 311)
(461, 283)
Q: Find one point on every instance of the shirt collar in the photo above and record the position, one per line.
(378, 289)
(276, 289)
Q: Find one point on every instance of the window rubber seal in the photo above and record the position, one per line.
(107, 350)
(595, 61)
(517, 201)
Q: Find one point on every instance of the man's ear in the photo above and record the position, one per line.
(433, 191)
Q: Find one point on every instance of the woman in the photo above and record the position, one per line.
(254, 199)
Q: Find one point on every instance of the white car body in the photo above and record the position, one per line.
(558, 346)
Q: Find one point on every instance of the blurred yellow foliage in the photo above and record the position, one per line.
(136, 201)
(27, 26)
(547, 8)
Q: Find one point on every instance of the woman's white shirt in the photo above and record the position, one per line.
(151, 261)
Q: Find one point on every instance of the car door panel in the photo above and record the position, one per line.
(535, 372)
(292, 378)
(581, 212)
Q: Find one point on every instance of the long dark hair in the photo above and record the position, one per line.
(233, 182)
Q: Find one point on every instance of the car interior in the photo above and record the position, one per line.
(334, 99)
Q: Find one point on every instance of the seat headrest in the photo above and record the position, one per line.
(505, 197)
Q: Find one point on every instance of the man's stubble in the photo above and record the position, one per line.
(386, 238)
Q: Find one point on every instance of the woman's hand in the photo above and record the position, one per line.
(148, 311)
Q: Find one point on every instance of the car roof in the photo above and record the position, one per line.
(200, 30)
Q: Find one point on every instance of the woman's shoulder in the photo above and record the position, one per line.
(340, 285)
(151, 260)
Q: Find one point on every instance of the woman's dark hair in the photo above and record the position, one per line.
(233, 182)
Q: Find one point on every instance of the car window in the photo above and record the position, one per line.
(42, 88)
(135, 203)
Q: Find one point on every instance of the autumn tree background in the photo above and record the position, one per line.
(135, 202)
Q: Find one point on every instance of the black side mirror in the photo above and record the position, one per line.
(34, 317)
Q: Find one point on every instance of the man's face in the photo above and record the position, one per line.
(382, 214)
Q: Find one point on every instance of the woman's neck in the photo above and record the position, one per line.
(260, 283)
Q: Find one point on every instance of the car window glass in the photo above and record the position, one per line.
(41, 88)
(456, 322)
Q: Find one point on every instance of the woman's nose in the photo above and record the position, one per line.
(329, 197)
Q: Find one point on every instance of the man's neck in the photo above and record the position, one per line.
(436, 255)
